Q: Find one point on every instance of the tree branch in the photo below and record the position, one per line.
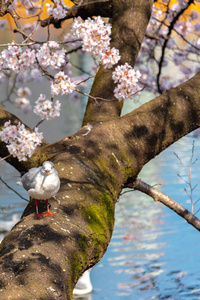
(84, 9)
(129, 21)
(166, 200)
(164, 47)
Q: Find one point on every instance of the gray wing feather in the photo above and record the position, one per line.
(28, 179)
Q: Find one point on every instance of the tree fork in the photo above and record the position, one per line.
(44, 258)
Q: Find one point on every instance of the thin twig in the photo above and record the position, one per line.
(166, 200)
(5, 157)
(13, 190)
(189, 181)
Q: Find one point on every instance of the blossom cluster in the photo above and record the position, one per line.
(57, 9)
(49, 56)
(63, 84)
(20, 142)
(15, 59)
(187, 27)
(127, 79)
(95, 36)
(22, 102)
(46, 109)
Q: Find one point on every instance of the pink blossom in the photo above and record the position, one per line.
(183, 27)
(30, 8)
(95, 35)
(122, 92)
(63, 84)
(194, 15)
(14, 59)
(23, 104)
(23, 92)
(196, 27)
(126, 74)
(29, 27)
(36, 75)
(21, 143)
(49, 57)
(58, 9)
(110, 58)
(127, 79)
(46, 109)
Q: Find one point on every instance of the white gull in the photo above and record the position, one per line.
(41, 183)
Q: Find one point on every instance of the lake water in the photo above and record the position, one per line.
(154, 253)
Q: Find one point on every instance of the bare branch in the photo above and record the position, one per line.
(13, 190)
(166, 200)
(164, 47)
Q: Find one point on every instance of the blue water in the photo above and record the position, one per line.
(154, 253)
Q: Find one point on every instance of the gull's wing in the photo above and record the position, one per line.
(29, 179)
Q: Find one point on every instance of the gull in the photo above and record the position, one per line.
(41, 183)
(84, 285)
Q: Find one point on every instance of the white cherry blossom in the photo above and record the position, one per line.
(46, 109)
(49, 56)
(95, 36)
(63, 84)
(127, 79)
(21, 143)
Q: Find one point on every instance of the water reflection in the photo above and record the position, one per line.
(85, 297)
(153, 253)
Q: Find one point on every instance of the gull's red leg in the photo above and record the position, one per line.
(37, 216)
(48, 212)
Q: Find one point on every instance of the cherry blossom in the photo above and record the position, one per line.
(21, 143)
(36, 75)
(23, 92)
(46, 109)
(183, 27)
(29, 27)
(58, 9)
(95, 35)
(30, 8)
(122, 92)
(196, 27)
(127, 79)
(110, 58)
(49, 56)
(24, 104)
(14, 59)
(63, 84)
(194, 15)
